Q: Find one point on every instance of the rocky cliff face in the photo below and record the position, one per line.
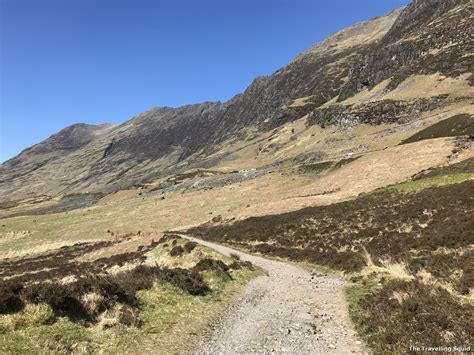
(426, 37)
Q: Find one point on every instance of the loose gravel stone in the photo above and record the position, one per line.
(278, 312)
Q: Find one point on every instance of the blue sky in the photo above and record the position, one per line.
(98, 61)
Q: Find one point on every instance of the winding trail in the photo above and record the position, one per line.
(287, 310)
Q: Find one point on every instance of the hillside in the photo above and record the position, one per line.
(328, 208)
(367, 73)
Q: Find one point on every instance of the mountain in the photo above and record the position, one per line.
(390, 69)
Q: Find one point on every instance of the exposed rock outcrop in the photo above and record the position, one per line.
(428, 36)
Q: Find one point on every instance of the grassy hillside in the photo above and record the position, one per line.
(356, 157)
(383, 213)
(407, 249)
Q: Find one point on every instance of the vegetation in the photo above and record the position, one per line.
(393, 314)
(122, 301)
(381, 228)
(75, 276)
(408, 248)
(439, 180)
(465, 166)
(457, 125)
(234, 256)
(444, 175)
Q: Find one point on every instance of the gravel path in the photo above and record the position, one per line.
(288, 310)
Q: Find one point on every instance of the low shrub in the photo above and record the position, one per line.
(178, 250)
(234, 256)
(189, 246)
(411, 313)
(210, 264)
(85, 298)
(10, 300)
(237, 265)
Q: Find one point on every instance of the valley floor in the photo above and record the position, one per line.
(394, 215)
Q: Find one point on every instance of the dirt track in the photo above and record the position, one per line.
(287, 310)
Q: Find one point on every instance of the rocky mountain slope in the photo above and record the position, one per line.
(371, 72)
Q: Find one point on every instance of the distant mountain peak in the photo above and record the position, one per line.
(427, 37)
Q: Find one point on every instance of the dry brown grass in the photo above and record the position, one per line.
(272, 193)
(127, 212)
(92, 301)
(414, 87)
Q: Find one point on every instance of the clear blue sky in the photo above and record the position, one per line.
(97, 61)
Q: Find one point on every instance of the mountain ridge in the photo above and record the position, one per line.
(164, 141)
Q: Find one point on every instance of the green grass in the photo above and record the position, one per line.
(454, 178)
(170, 320)
(60, 337)
(161, 252)
(355, 293)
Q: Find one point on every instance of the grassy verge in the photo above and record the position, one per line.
(164, 318)
(170, 320)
